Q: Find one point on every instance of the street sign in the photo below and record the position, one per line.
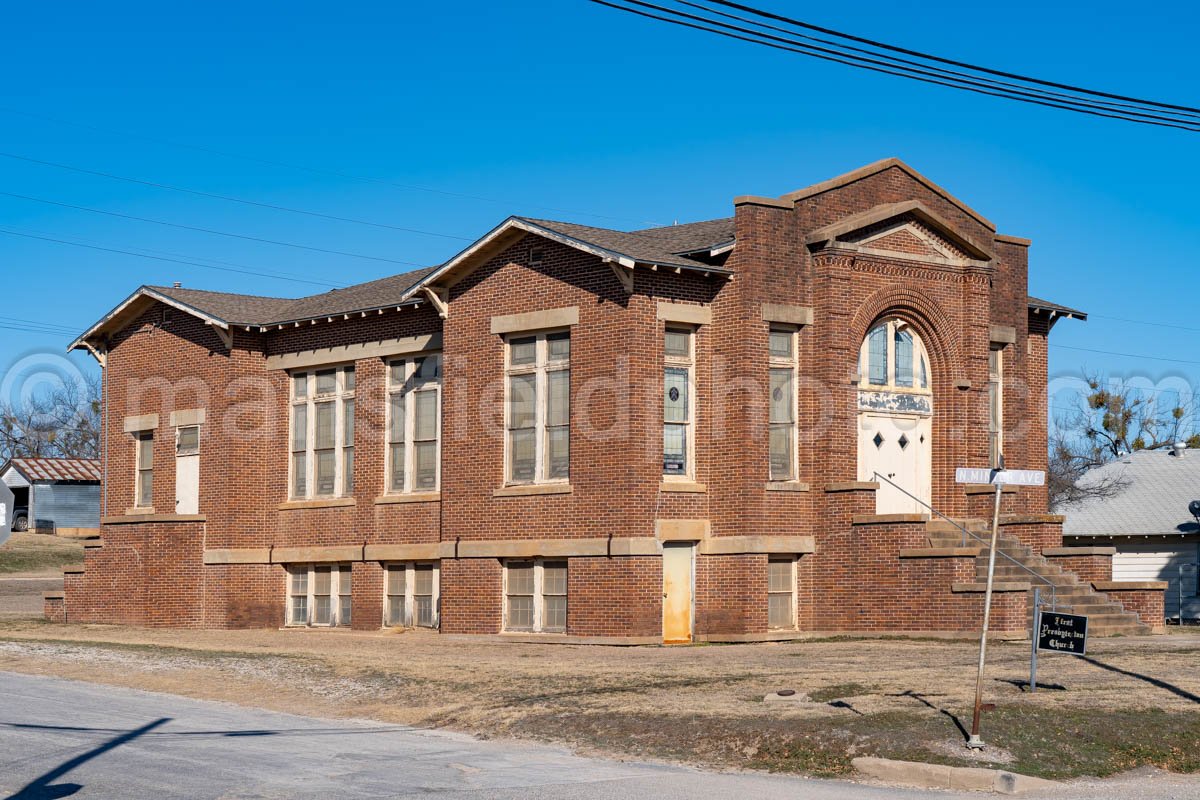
(6, 512)
(1004, 477)
(1062, 633)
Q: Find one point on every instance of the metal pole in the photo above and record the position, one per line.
(976, 743)
(1033, 637)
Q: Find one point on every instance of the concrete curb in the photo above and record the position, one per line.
(937, 776)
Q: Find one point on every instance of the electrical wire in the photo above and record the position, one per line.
(278, 276)
(211, 231)
(897, 68)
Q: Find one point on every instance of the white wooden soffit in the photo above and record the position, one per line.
(353, 352)
(146, 292)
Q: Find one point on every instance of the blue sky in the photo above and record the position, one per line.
(564, 109)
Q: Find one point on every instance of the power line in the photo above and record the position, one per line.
(320, 170)
(951, 62)
(1124, 355)
(897, 67)
(35, 322)
(229, 198)
(212, 231)
(1147, 322)
(279, 276)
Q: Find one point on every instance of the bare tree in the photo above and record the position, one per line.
(1113, 419)
(62, 423)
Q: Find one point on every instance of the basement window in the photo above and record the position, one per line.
(781, 593)
(319, 595)
(535, 596)
(411, 595)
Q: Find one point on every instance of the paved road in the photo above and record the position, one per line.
(63, 738)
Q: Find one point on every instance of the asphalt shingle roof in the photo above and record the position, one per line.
(654, 245)
(1039, 303)
(1155, 501)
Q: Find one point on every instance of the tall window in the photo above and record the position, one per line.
(995, 405)
(538, 411)
(781, 592)
(679, 412)
(782, 405)
(144, 492)
(893, 357)
(411, 595)
(535, 596)
(414, 424)
(319, 595)
(323, 433)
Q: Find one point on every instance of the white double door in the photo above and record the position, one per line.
(898, 447)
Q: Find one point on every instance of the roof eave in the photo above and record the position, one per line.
(83, 341)
(522, 224)
(1058, 311)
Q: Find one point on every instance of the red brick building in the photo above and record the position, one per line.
(565, 431)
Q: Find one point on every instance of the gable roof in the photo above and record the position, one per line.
(790, 199)
(55, 469)
(913, 209)
(1155, 501)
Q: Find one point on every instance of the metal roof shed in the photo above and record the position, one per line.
(61, 494)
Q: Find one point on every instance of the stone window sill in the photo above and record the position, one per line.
(144, 516)
(529, 489)
(330, 502)
(690, 487)
(786, 486)
(411, 497)
(129, 512)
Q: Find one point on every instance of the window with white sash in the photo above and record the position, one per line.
(995, 405)
(679, 405)
(537, 413)
(535, 596)
(318, 595)
(322, 437)
(414, 424)
(144, 459)
(411, 595)
(781, 592)
(782, 429)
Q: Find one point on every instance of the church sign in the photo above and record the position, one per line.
(1062, 633)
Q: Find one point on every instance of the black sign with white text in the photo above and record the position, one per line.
(1062, 633)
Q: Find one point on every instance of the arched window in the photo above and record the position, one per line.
(892, 356)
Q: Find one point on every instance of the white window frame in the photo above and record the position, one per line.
(791, 592)
(688, 363)
(792, 364)
(409, 389)
(138, 468)
(995, 404)
(539, 596)
(920, 356)
(340, 397)
(336, 571)
(408, 613)
(540, 368)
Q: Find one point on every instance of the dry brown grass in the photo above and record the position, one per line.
(699, 704)
(38, 555)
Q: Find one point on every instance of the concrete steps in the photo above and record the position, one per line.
(1016, 561)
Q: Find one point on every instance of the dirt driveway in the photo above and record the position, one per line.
(1129, 702)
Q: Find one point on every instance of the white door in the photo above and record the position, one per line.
(678, 579)
(187, 470)
(899, 448)
(1160, 561)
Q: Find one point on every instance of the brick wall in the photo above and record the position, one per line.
(165, 360)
